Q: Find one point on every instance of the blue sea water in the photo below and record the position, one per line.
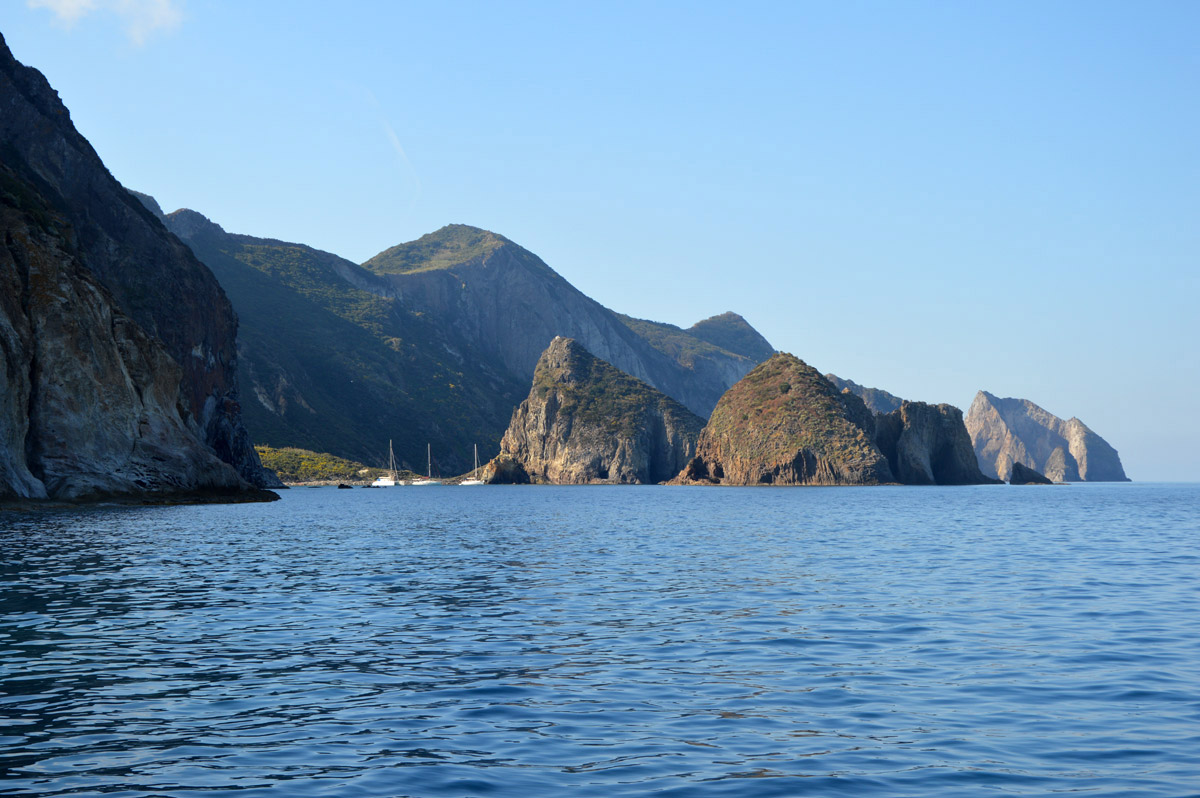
(594, 641)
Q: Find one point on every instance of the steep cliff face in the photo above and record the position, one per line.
(785, 424)
(586, 422)
(153, 278)
(928, 445)
(1006, 431)
(877, 400)
(507, 302)
(90, 405)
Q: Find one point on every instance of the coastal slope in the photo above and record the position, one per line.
(334, 362)
(586, 421)
(928, 445)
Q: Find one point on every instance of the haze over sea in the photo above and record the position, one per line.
(603, 641)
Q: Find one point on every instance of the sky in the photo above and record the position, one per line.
(927, 197)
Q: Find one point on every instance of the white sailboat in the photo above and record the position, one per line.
(388, 481)
(474, 478)
(428, 478)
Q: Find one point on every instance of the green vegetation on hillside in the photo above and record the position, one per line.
(731, 332)
(785, 405)
(302, 465)
(599, 394)
(678, 344)
(328, 367)
(452, 245)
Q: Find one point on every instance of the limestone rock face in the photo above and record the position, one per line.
(1020, 475)
(1007, 431)
(585, 421)
(785, 424)
(928, 445)
(153, 278)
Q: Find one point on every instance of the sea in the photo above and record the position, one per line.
(608, 641)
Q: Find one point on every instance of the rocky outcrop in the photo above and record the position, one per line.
(152, 278)
(877, 400)
(928, 445)
(90, 404)
(1020, 475)
(508, 303)
(504, 470)
(785, 424)
(1007, 431)
(585, 421)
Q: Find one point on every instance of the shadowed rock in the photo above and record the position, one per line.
(928, 445)
(1021, 475)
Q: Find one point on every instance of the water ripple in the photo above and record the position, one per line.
(607, 642)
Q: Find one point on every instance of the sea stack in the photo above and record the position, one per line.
(785, 424)
(585, 421)
(1021, 475)
(1007, 431)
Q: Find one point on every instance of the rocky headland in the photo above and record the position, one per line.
(587, 422)
(117, 346)
(1007, 431)
(928, 445)
(785, 424)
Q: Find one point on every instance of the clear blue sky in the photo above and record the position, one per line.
(930, 198)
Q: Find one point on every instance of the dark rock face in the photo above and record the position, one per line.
(90, 405)
(1007, 431)
(587, 422)
(928, 445)
(877, 400)
(508, 303)
(153, 278)
(505, 470)
(1021, 475)
(785, 424)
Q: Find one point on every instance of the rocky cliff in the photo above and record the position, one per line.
(785, 424)
(1006, 431)
(585, 421)
(928, 445)
(90, 404)
(508, 303)
(877, 400)
(151, 277)
(1021, 475)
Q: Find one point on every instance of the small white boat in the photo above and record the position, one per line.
(388, 481)
(428, 478)
(474, 478)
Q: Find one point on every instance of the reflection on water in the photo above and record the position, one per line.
(607, 641)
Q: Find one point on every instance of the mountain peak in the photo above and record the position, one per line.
(733, 333)
(445, 248)
(188, 223)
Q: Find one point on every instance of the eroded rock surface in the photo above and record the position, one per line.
(1007, 431)
(585, 421)
(928, 445)
(785, 424)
